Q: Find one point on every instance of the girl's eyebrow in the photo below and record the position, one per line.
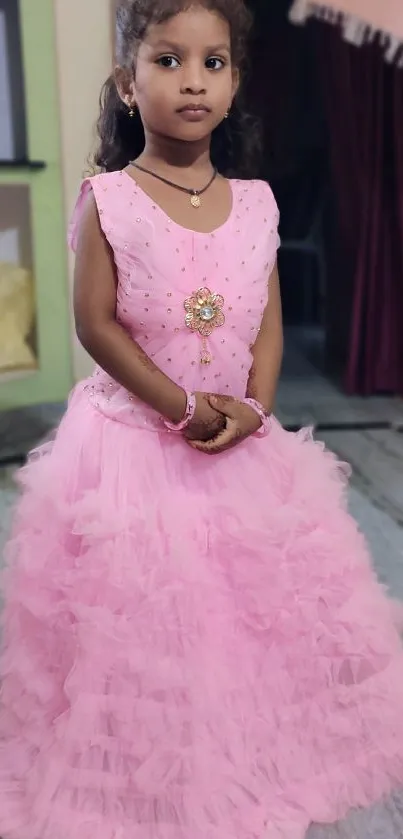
(166, 45)
(170, 45)
(219, 48)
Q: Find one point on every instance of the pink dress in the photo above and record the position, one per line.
(194, 647)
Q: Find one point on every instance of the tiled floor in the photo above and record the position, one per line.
(305, 397)
(8, 496)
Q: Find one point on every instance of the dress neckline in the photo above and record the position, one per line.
(171, 222)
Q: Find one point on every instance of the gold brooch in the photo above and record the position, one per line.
(203, 315)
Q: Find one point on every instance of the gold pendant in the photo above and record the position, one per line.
(195, 201)
(205, 355)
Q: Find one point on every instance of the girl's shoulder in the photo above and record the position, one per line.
(103, 181)
(106, 188)
(257, 186)
(258, 195)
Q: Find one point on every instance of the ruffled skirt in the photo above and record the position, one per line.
(194, 647)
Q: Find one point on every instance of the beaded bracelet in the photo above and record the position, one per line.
(188, 415)
(265, 426)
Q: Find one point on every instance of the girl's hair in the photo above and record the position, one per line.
(235, 144)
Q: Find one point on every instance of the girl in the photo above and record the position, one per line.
(195, 647)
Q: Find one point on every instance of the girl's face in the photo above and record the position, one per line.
(184, 80)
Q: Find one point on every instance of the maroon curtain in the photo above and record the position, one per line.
(364, 104)
(398, 227)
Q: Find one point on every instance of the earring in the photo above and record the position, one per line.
(226, 115)
(132, 110)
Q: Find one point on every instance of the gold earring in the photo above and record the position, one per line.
(132, 110)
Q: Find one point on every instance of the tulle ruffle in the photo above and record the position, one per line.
(195, 647)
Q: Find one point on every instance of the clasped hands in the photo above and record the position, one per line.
(220, 423)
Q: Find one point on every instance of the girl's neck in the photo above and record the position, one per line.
(164, 153)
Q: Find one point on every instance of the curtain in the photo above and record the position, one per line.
(397, 93)
(361, 21)
(364, 103)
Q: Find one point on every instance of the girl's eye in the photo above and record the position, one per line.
(215, 63)
(168, 61)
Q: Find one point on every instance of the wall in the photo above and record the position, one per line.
(83, 43)
(53, 378)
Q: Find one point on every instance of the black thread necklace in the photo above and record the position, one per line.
(195, 194)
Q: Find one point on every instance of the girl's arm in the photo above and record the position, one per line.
(268, 349)
(109, 344)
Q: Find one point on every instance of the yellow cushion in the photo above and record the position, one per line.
(16, 318)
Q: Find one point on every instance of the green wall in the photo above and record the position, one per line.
(54, 377)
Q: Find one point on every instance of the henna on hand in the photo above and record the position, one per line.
(207, 422)
(204, 430)
(240, 422)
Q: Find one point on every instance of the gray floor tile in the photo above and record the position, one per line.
(376, 458)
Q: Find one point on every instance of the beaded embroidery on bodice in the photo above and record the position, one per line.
(184, 295)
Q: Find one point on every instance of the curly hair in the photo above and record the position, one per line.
(236, 142)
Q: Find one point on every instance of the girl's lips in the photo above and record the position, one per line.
(194, 113)
(194, 107)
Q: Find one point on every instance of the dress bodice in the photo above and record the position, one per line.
(186, 298)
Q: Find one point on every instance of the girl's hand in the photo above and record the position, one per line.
(207, 421)
(241, 421)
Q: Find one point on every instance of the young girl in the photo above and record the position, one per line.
(195, 647)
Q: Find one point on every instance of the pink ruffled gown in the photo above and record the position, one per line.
(194, 647)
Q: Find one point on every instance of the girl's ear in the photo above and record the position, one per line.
(125, 86)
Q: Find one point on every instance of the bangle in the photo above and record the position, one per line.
(188, 415)
(265, 426)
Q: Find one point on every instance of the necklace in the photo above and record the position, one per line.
(195, 194)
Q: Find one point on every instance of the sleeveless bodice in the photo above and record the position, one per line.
(184, 297)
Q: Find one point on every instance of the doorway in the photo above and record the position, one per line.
(284, 89)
